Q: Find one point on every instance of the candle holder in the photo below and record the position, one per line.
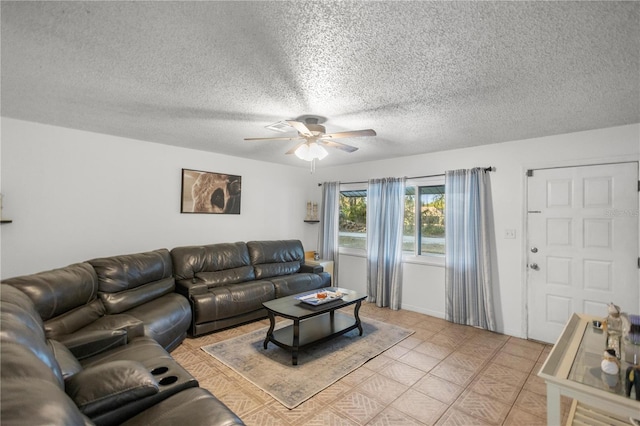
(309, 211)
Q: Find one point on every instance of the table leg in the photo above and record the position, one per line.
(355, 313)
(272, 325)
(553, 405)
(296, 342)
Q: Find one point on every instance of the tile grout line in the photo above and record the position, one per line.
(263, 412)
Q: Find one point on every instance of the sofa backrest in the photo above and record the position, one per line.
(20, 325)
(31, 383)
(129, 280)
(65, 298)
(275, 258)
(213, 264)
(11, 297)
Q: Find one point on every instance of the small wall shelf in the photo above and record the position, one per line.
(312, 221)
(5, 221)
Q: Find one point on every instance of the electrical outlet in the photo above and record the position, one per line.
(510, 234)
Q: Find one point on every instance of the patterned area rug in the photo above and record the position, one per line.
(319, 366)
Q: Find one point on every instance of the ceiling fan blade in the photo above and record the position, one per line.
(273, 139)
(293, 150)
(300, 127)
(350, 134)
(341, 146)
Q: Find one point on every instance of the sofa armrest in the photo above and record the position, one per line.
(86, 344)
(190, 287)
(109, 386)
(68, 363)
(313, 269)
(132, 325)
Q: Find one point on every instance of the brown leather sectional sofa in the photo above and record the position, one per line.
(227, 283)
(88, 343)
(133, 382)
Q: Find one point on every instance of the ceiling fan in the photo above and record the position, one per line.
(314, 138)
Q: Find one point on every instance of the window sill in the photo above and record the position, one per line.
(406, 258)
(352, 252)
(424, 260)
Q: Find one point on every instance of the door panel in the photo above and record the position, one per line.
(583, 224)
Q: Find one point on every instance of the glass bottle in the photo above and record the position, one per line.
(614, 329)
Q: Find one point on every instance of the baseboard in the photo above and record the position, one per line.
(507, 331)
(421, 310)
(512, 332)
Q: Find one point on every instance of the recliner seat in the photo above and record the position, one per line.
(142, 285)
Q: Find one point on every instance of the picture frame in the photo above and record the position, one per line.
(210, 192)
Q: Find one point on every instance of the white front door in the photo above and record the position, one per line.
(582, 244)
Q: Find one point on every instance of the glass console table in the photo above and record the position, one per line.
(573, 369)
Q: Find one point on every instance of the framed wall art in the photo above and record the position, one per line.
(208, 192)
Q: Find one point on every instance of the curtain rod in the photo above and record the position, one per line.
(486, 169)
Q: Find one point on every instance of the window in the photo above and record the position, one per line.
(424, 220)
(352, 225)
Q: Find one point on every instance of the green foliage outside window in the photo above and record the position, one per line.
(353, 219)
(352, 223)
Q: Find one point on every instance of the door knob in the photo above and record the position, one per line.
(534, 249)
(534, 266)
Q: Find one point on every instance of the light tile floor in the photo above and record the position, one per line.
(443, 374)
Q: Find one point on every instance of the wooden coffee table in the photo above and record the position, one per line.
(311, 324)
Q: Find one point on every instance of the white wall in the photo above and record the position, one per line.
(75, 195)
(423, 285)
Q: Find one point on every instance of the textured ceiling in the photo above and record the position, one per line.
(427, 76)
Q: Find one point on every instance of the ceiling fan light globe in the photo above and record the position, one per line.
(317, 151)
(302, 152)
(310, 152)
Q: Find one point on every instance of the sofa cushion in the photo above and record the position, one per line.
(20, 362)
(132, 325)
(216, 264)
(122, 301)
(124, 272)
(58, 291)
(229, 276)
(35, 402)
(274, 258)
(84, 344)
(73, 320)
(21, 311)
(12, 296)
(166, 319)
(299, 283)
(142, 349)
(16, 330)
(231, 300)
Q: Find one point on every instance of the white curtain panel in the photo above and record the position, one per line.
(385, 216)
(328, 232)
(468, 263)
